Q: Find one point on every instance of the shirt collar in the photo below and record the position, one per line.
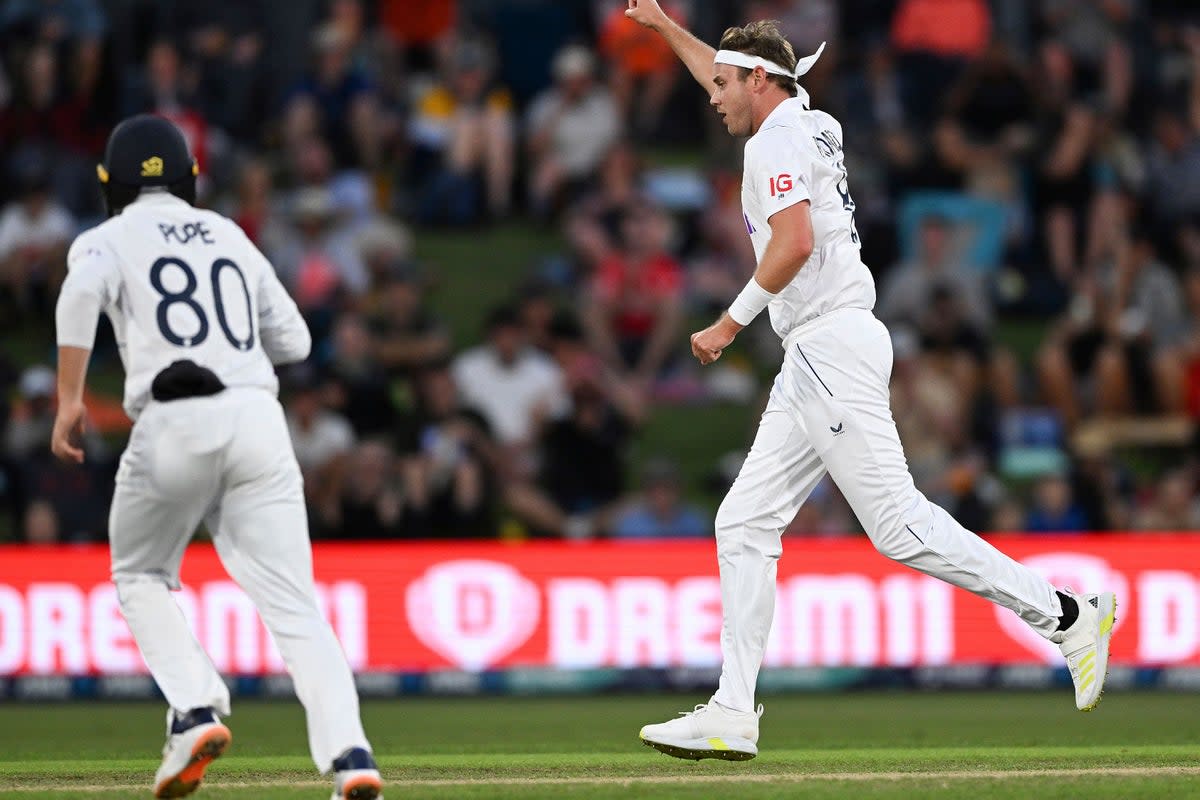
(777, 113)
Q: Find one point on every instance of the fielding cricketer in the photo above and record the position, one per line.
(200, 318)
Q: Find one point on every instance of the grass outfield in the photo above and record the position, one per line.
(862, 745)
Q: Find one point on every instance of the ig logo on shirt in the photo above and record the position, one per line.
(781, 184)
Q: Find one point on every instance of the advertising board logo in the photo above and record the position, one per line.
(1084, 574)
(473, 612)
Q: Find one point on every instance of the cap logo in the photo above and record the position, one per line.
(152, 167)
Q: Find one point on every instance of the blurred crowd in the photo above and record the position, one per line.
(1027, 178)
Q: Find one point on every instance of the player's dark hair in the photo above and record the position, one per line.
(763, 39)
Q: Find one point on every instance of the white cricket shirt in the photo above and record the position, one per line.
(796, 156)
(179, 282)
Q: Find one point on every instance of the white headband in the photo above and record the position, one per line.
(739, 59)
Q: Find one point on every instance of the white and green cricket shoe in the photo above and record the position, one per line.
(708, 731)
(1085, 645)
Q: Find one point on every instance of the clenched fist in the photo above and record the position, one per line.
(708, 344)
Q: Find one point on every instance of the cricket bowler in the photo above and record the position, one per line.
(828, 410)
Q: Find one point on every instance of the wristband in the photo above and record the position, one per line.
(752, 300)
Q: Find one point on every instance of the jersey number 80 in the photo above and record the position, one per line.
(186, 297)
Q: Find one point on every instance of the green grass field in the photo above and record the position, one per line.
(861, 745)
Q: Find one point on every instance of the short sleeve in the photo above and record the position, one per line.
(93, 282)
(778, 167)
(92, 267)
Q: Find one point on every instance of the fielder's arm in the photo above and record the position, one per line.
(789, 249)
(69, 421)
(695, 54)
(790, 246)
(92, 277)
(282, 330)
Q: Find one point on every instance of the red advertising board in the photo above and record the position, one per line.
(476, 606)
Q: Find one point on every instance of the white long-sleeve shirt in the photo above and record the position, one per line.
(179, 282)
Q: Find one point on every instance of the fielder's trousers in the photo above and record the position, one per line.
(228, 460)
(829, 411)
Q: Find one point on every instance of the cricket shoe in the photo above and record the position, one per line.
(709, 731)
(1085, 645)
(356, 777)
(194, 739)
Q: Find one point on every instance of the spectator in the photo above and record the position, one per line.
(985, 375)
(419, 29)
(930, 413)
(1173, 506)
(256, 211)
(1119, 334)
(642, 69)
(224, 46)
(1065, 147)
(448, 483)
(405, 334)
(1008, 517)
(34, 234)
(41, 524)
(367, 503)
(806, 24)
(538, 311)
(1174, 163)
(514, 387)
(594, 224)
(583, 456)
(661, 512)
(989, 124)
(1091, 36)
(907, 294)
(634, 307)
(320, 437)
(170, 88)
(310, 165)
(45, 115)
(1103, 489)
(725, 256)
(584, 369)
(936, 39)
(570, 127)
(319, 260)
(463, 132)
(53, 21)
(340, 98)
(78, 496)
(1054, 509)
(32, 418)
(383, 244)
(359, 388)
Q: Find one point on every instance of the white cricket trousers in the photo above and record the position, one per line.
(829, 411)
(227, 460)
